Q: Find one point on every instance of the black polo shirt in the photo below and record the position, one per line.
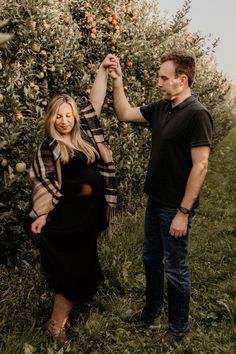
(174, 132)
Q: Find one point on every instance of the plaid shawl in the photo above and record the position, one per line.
(45, 172)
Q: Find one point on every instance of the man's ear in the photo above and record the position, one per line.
(183, 79)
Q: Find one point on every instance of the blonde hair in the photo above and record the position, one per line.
(78, 143)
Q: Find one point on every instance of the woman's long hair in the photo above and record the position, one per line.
(77, 142)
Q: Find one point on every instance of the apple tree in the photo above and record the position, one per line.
(57, 47)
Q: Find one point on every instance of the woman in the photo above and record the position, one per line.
(73, 182)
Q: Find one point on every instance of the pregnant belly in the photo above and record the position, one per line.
(87, 182)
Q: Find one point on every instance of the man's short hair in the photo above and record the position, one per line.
(185, 63)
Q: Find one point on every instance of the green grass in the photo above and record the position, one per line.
(25, 301)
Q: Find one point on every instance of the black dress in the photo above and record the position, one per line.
(68, 242)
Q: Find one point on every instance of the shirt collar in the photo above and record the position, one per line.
(183, 104)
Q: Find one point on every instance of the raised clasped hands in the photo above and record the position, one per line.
(111, 62)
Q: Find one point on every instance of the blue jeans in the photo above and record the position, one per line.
(163, 253)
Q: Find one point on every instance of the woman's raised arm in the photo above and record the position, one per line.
(99, 88)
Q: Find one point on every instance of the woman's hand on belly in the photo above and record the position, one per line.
(86, 189)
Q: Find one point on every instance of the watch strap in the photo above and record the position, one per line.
(184, 210)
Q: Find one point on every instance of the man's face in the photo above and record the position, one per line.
(169, 84)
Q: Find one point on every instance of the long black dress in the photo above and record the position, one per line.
(68, 242)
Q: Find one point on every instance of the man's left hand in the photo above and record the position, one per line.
(179, 225)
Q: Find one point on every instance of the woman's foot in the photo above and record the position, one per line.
(56, 331)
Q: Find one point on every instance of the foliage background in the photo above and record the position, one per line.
(57, 47)
(96, 327)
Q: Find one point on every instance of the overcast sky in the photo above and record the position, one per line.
(217, 17)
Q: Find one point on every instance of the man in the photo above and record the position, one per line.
(181, 140)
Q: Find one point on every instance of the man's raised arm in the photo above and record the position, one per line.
(124, 111)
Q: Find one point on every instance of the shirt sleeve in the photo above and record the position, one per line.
(148, 110)
(201, 129)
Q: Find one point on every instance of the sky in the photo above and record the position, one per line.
(216, 17)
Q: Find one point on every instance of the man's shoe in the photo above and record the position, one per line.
(171, 339)
(138, 318)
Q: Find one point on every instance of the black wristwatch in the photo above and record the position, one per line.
(184, 210)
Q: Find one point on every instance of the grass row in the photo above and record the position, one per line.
(25, 301)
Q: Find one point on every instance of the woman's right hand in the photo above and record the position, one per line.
(38, 224)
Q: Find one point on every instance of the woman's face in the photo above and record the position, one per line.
(64, 120)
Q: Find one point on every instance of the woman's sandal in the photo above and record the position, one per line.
(57, 332)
